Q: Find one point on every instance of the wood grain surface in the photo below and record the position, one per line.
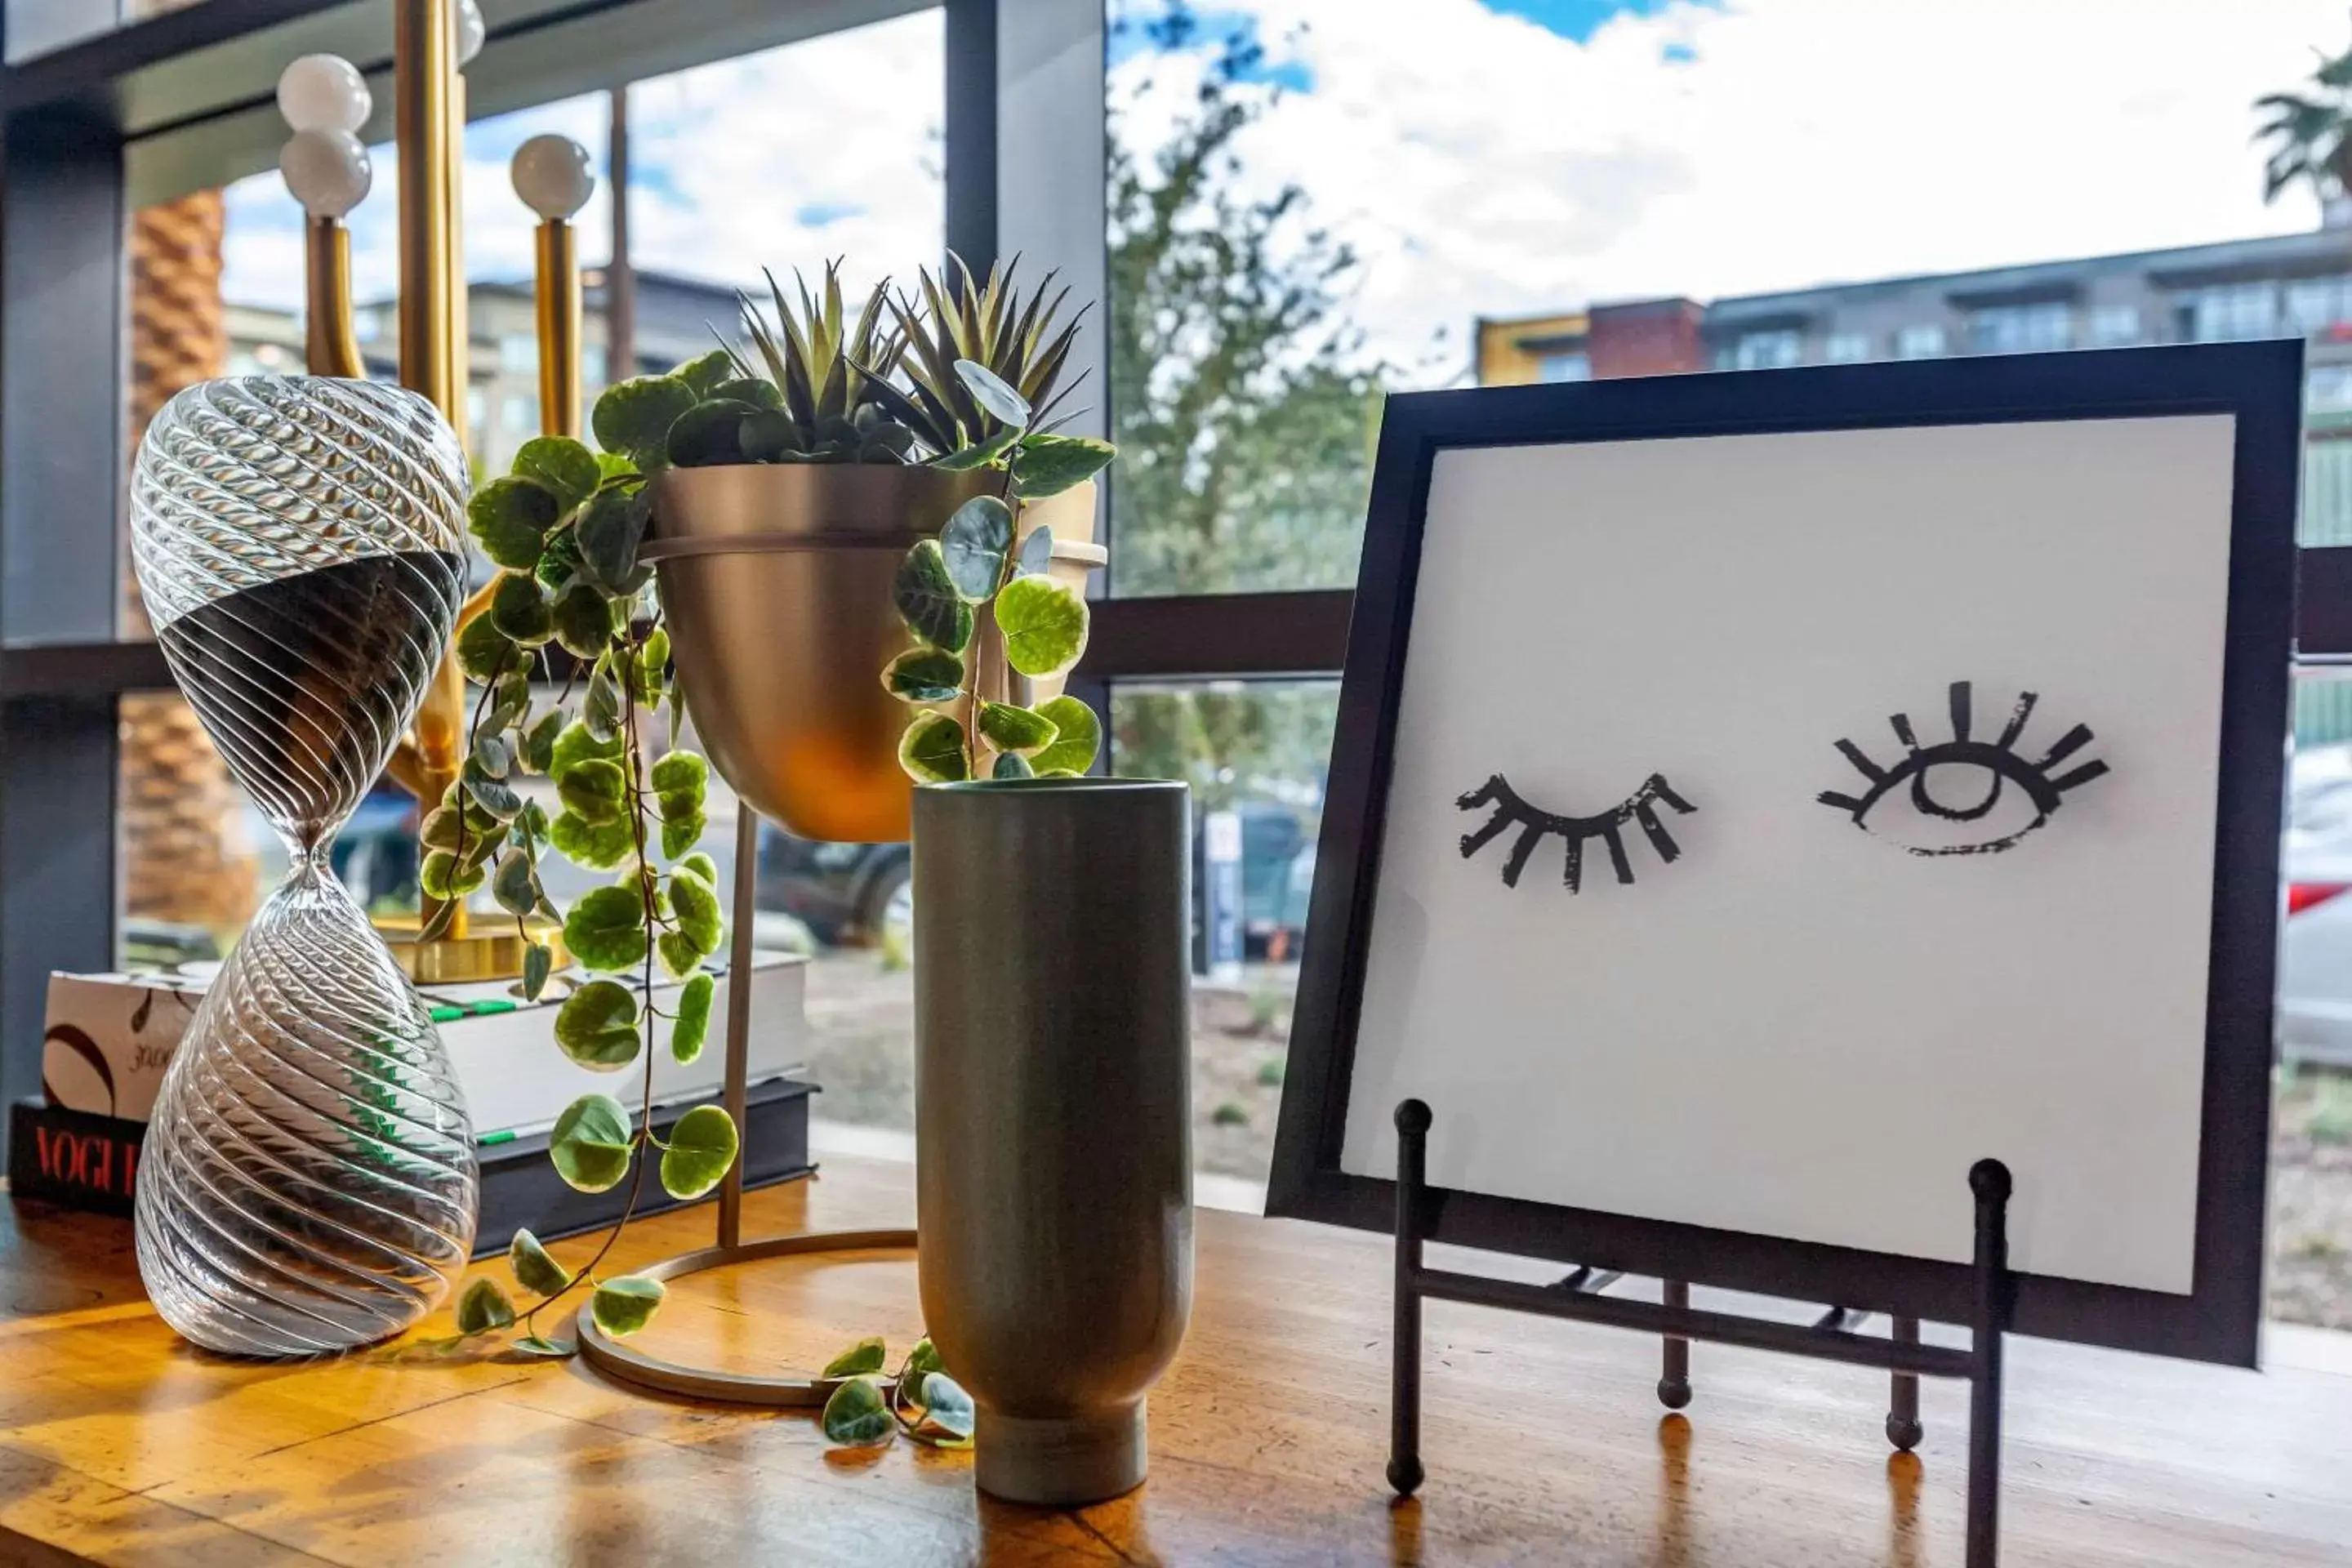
(1545, 1444)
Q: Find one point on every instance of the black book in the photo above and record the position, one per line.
(82, 1161)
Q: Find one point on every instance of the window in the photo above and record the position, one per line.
(2234, 311)
(1330, 237)
(2326, 390)
(1321, 120)
(228, 264)
(2115, 326)
(2022, 329)
(2316, 304)
(1922, 340)
(1767, 351)
(1573, 364)
(1255, 754)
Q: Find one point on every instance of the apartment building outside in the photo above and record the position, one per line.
(2297, 285)
(676, 318)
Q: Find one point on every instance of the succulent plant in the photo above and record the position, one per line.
(811, 395)
(1018, 338)
(889, 386)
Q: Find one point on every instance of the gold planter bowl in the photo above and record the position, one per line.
(775, 584)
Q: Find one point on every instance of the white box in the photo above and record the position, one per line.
(108, 1037)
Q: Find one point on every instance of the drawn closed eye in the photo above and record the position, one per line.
(1949, 812)
(1641, 806)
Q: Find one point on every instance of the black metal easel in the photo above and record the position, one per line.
(1833, 1337)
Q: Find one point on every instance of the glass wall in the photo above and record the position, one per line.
(217, 289)
(1255, 754)
(1314, 203)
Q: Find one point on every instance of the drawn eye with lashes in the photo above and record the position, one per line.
(1609, 826)
(1964, 796)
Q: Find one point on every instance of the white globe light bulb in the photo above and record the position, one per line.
(328, 171)
(470, 32)
(323, 92)
(552, 175)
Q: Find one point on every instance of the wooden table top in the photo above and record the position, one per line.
(1544, 1441)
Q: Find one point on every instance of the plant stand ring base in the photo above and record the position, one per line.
(616, 1359)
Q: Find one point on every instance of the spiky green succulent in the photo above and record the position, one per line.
(813, 385)
(805, 389)
(1019, 337)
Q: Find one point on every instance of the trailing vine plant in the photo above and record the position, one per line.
(901, 383)
(565, 527)
(982, 560)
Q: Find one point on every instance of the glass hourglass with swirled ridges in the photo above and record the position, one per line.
(308, 1182)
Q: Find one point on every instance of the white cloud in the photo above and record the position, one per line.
(1483, 165)
(1486, 166)
(844, 124)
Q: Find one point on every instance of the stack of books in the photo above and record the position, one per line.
(110, 1038)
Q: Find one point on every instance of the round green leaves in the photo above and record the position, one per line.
(560, 466)
(606, 928)
(1047, 465)
(1045, 627)
(534, 1268)
(931, 751)
(924, 675)
(973, 545)
(510, 517)
(484, 1307)
(1017, 729)
(857, 1416)
(634, 416)
(520, 611)
(927, 600)
(621, 1307)
(1077, 736)
(597, 1026)
(701, 1147)
(694, 903)
(691, 1025)
(590, 1142)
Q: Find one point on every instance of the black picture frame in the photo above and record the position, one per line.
(2258, 383)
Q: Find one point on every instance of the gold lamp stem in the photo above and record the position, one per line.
(424, 78)
(333, 348)
(453, 244)
(424, 57)
(559, 328)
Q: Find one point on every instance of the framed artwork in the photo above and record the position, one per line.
(1758, 796)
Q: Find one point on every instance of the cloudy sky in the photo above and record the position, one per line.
(1489, 157)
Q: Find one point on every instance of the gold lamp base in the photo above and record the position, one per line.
(494, 953)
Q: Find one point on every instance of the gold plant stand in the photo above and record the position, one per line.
(615, 1358)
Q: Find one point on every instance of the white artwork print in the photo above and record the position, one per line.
(1803, 1026)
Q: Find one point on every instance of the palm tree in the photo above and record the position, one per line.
(2310, 133)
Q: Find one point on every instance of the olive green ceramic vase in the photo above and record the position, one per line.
(1053, 1128)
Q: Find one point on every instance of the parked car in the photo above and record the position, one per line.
(847, 894)
(851, 894)
(2314, 1015)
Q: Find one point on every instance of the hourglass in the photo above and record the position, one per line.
(308, 1183)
